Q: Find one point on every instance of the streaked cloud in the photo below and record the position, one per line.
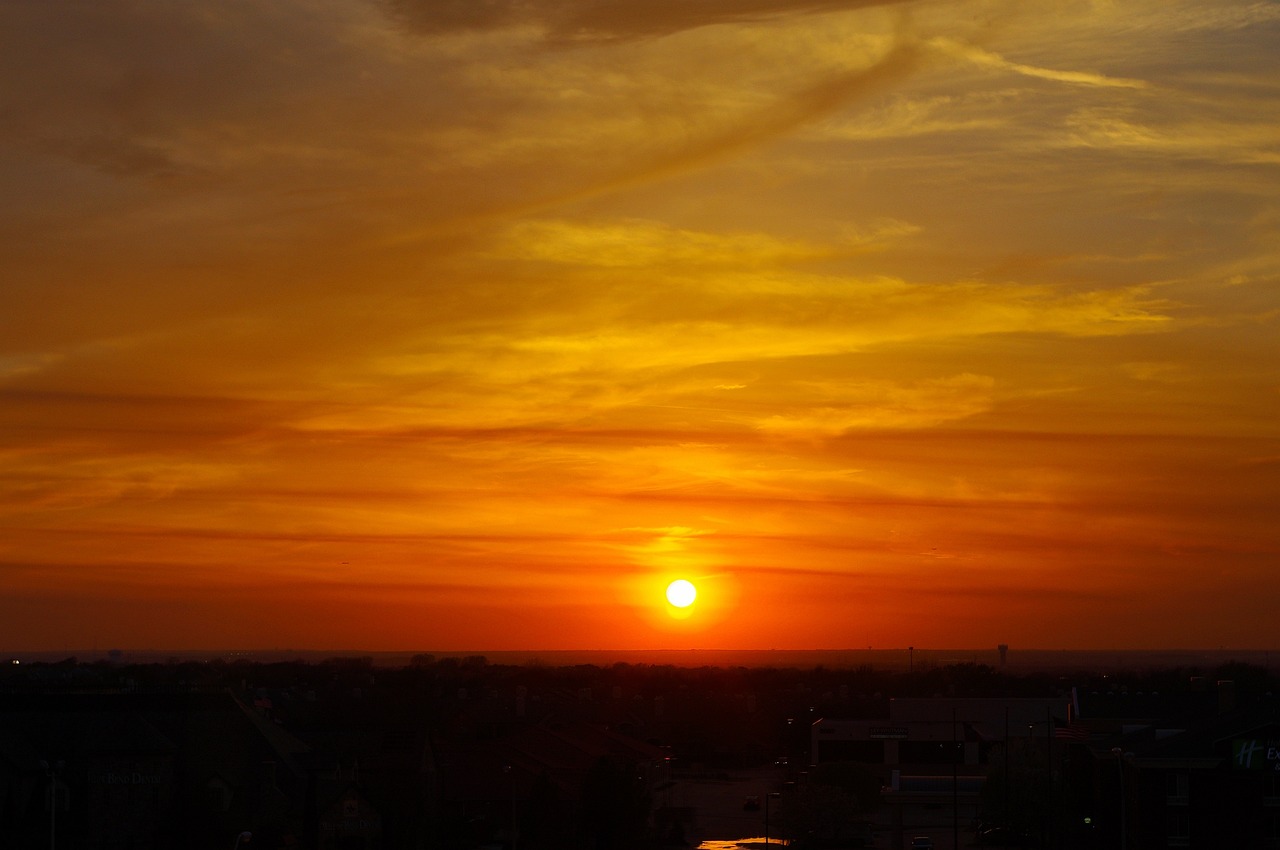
(1235, 141)
(885, 407)
(568, 20)
(645, 243)
(988, 59)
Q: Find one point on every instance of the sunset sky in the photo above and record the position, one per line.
(437, 324)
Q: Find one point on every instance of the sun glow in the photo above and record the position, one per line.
(681, 593)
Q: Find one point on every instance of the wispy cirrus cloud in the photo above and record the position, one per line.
(989, 59)
(651, 244)
(885, 406)
(567, 20)
(1245, 141)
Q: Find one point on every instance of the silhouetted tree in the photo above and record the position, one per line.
(615, 805)
(542, 821)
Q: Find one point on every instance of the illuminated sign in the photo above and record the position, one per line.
(1255, 754)
(888, 733)
(126, 778)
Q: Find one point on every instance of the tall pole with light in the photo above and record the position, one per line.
(51, 771)
(511, 771)
(955, 781)
(772, 795)
(1124, 835)
(1048, 801)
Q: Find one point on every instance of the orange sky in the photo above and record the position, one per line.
(405, 324)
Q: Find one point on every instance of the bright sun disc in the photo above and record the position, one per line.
(681, 593)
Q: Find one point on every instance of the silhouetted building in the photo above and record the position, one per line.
(917, 735)
(144, 771)
(349, 822)
(933, 756)
(540, 783)
(1208, 781)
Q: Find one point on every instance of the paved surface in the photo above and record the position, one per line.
(722, 824)
(718, 799)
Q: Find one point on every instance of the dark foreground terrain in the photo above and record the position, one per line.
(463, 752)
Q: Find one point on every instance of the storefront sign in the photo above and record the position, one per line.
(127, 778)
(889, 733)
(1255, 754)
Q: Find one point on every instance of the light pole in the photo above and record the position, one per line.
(510, 770)
(772, 795)
(51, 771)
(956, 753)
(1048, 772)
(1124, 836)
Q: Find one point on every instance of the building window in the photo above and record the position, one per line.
(1178, 828)
(1177, 789)
(57, 794)
(929, 752)
(217, 795)
(869, 752)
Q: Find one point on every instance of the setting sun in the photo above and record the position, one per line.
(681, 593)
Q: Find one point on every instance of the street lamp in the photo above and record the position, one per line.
(1124, 835)
(772, 795)
(51, 771)
(1048, 772)
(510, 770)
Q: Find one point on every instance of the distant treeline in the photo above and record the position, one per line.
(817, 686)
(900, 658)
